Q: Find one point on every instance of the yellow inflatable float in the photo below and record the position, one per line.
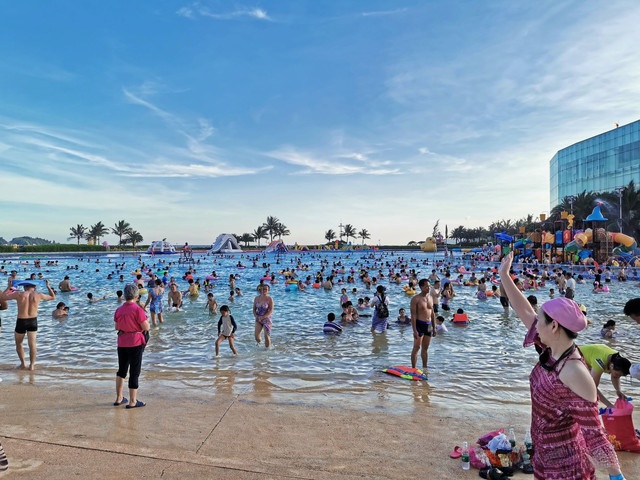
(429, 245)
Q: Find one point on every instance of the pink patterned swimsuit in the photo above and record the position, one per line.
(565, 428)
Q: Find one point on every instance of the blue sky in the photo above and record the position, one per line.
(191, 119)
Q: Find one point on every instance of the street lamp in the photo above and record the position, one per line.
(619, 191)
(571, 198)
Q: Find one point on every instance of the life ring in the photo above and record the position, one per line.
(266, 279)
(142, 291)
(410, 292)
(210, 277)
(316, 285)
(291, 287)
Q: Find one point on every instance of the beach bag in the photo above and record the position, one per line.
(382, 311)
(618, 423)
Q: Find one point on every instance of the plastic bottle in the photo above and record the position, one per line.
(528, 443)
(465, 456)
(512, 438)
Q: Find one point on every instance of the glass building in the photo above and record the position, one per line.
(598, 164)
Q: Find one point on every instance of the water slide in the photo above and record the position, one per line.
(277, 246)
(225, 243)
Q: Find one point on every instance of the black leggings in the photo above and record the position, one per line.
(130, 358)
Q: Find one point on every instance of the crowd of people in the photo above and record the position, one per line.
(564, 367)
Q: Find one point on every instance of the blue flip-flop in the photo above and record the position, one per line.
(122, 402)
(138, 404)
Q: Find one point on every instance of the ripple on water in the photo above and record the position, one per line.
(483, 362)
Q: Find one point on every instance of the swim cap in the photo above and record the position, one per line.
(566, 312)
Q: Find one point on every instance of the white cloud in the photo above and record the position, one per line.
(327, 165)
(196, 9)
(384, 12)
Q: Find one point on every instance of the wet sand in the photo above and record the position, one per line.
(58, 431)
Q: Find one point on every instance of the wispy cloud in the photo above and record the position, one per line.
(195, 10)
(331, 164)
(384, 12)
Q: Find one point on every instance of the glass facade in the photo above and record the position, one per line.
(598, 164)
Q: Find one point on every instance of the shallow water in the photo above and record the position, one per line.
(468, 366)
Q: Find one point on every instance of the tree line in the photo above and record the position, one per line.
(94, 233)
(626, 199)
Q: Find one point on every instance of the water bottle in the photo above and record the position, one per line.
(465, 456)
(528, 443)
(512, 438)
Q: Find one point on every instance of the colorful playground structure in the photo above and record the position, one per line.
(588, 245)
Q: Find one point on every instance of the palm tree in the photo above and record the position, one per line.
(97, 231)
(270, 226)
(246, 238)
(349, 231)
(330, 235)
(281, 230)
(133, 237)
(79, 232)
(121, 229)
(260, 233)
(364, 235)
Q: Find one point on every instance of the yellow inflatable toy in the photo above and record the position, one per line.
(429, 245)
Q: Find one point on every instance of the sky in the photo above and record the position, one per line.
(191, 119)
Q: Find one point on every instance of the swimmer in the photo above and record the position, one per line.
(331, 327)
(60, 312)
(226, 329)
(65, 285)
(403, 319)
(632, 309)
(154, 301)
(211, 305)
(263, 310)
(93, 299)
(608, 329)
(27, 323)
(440, 326)
(423, 320)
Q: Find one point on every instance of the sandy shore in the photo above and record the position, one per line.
(59, 431)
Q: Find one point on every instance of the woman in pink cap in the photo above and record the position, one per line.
(565, 426)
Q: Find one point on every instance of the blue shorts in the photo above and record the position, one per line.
(424, 328)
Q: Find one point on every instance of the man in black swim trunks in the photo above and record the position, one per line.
(27, 322)
(423, 320)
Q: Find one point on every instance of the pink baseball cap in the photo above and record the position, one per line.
(566, 312)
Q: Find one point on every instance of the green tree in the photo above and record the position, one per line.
(364, 235)
(260, 233)
(133, 237)
(271, 226)
(96, 232)
(329, 235)
(247, 238)
(281, 230)
(458, 233)
(121, 229)
(349, 231)
(79, 232)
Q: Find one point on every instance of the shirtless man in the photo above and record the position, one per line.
(423, 321)
(65, 285)
(174, 297)
(435, 292)
(28, 302)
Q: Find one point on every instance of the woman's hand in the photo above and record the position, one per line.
(505, 265)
